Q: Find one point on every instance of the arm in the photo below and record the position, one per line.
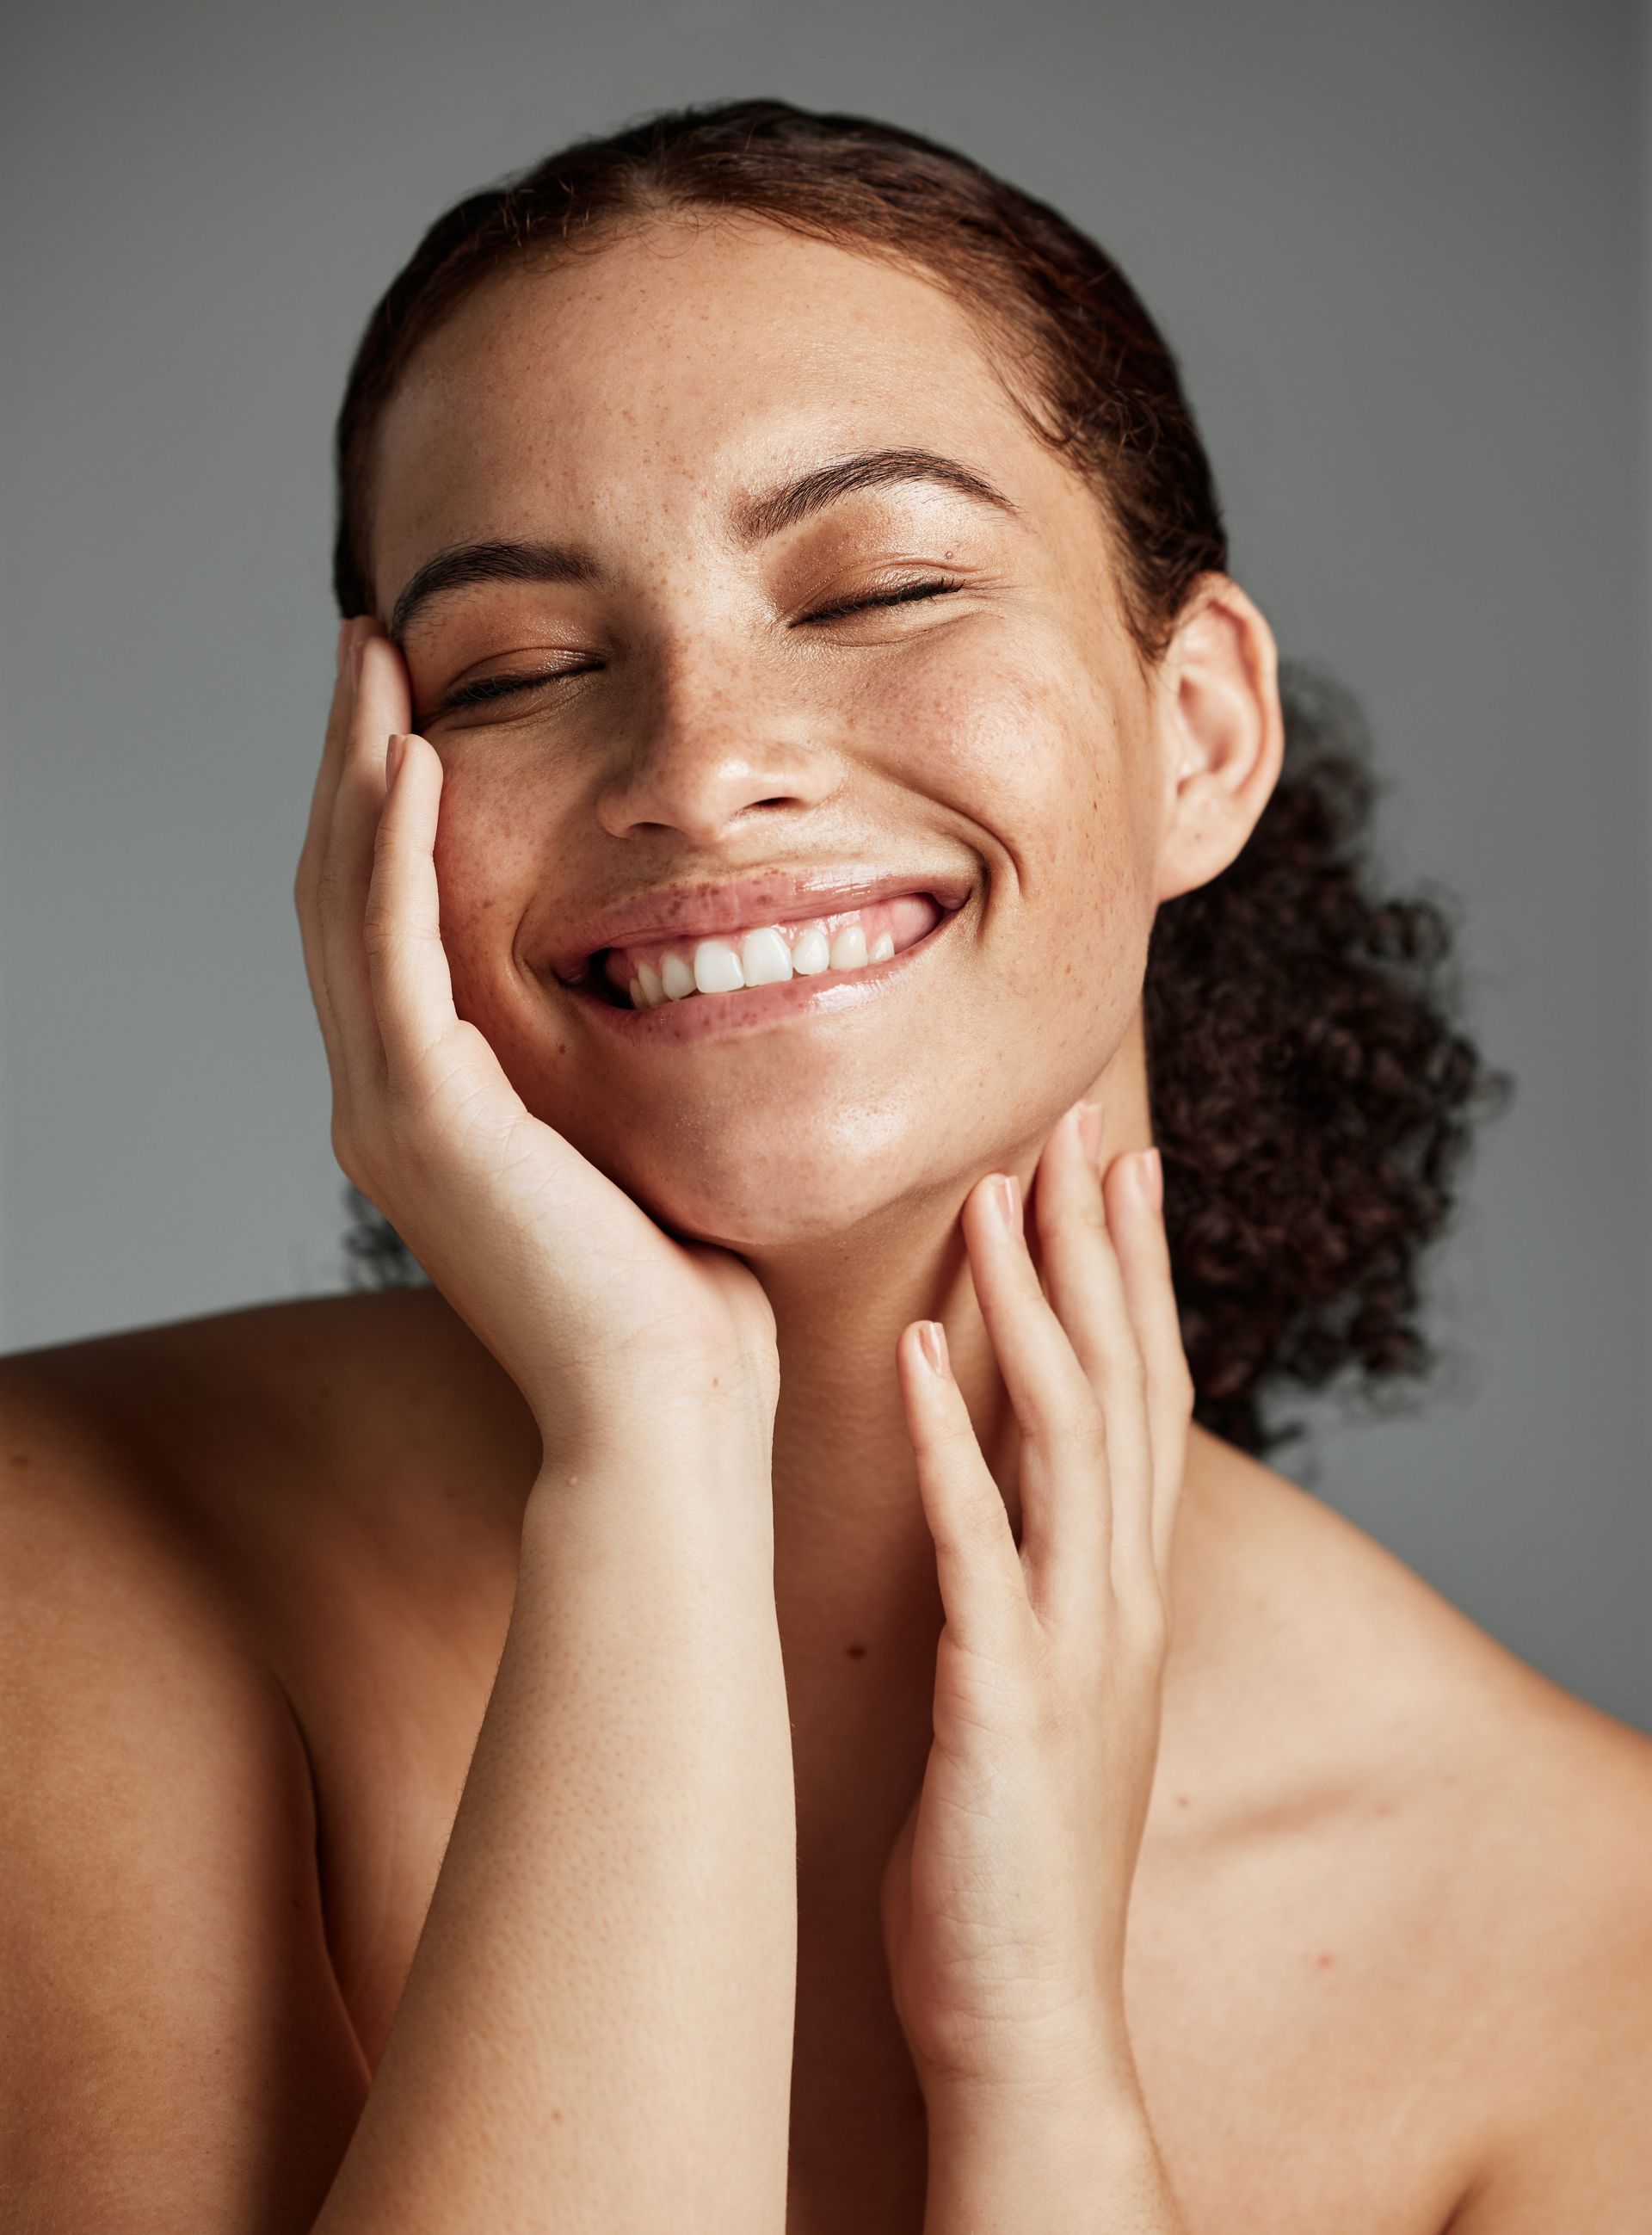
(1006, 1895)
(1045, 2166)
(174, 2049)
(596, 2032)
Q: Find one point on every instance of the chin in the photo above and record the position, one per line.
(759, 1188)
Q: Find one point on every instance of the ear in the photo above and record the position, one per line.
(1221, 733)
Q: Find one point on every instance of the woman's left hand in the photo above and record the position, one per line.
(1006, 1897)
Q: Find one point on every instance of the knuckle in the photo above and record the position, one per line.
(979, 1517)
(378, 930)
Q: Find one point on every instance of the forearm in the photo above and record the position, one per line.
(596, 2032)
(1042, 2164)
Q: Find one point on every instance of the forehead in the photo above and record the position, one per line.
(643, 385)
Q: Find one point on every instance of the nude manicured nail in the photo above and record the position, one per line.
(931, 1340)
(1005, 1194)
(1090, 1129)
(1150, 1176)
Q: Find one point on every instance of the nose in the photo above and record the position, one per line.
(716, 744)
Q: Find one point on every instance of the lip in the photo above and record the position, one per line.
(759, 1008)
(705, 909)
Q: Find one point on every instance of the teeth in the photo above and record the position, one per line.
(812, 954)
(848, 948)
(767, 956)
(765, 959)
(716, 968)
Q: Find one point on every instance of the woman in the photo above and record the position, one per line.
(748, 1704)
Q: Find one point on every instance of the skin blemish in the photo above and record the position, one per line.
(856, 1652)
(1182, 1800)
(1323, 1962)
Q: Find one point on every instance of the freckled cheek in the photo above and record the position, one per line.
(491, 853)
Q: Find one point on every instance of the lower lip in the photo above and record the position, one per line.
(760, 1009)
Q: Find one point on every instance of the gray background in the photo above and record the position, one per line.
(1402, 248)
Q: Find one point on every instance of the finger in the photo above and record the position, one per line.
(307, 877)
(1087, 1292)
(1135, 1197)
(1065, 1509)
(380, 707)
(411, 983)
(983, 1589)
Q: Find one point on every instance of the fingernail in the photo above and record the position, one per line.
(1150, 1176)
(355, 651)
(1090, 1129)
(342, 647)
(393, 758)
(931, 1340)
(1005, 1194)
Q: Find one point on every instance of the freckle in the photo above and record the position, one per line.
(17, 1458)
(561, 1049)
(1182, 1800)
(1323, 1962)
(857, 1653)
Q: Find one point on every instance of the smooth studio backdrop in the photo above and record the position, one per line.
(1401, 250)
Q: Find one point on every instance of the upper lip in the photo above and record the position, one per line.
(704, 907)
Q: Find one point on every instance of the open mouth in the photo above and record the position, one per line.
(800, 954)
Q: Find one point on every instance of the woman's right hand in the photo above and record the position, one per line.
(601, 1318)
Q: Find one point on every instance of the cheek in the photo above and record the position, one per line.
(1048, 766)
(490, 857)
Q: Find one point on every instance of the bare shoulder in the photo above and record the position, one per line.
(1497, 1827)
(319, 1375)
(293, 1435)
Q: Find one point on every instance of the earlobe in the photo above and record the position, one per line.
(1221, 733)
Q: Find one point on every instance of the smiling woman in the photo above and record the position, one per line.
(771, 1695)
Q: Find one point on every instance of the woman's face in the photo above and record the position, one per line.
(713, 728)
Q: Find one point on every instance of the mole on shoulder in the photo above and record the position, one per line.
(856, 1652)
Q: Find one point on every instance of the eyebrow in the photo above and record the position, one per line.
(755, 519)
(463, 564)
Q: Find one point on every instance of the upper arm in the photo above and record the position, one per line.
(173, 2048)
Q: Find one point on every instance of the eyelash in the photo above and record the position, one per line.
(492, 687)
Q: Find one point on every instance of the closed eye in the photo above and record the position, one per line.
(488, 688)
(937, 586)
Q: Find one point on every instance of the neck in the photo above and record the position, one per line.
(854, 1573)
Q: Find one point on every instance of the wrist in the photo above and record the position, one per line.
(676, 1480)
(973, 2114)
(1027, 2159)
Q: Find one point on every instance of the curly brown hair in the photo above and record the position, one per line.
(1312, 1090)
